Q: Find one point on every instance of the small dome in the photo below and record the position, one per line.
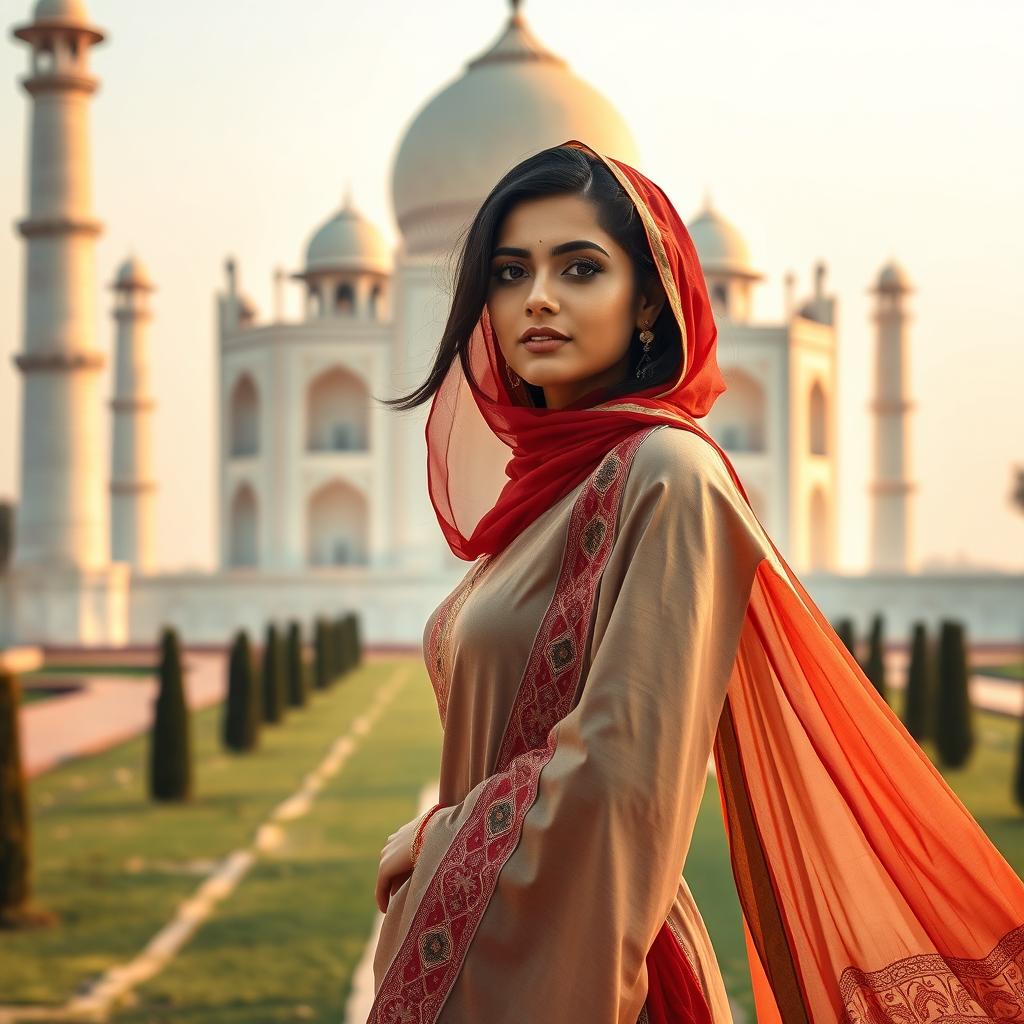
(893, 278)
(515, 99)
(348, 241)
(133, 274)
(66, 10)
(719, 243)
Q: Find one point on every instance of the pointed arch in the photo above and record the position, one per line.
(337, 412)
(737, 419)
(244, 528)
(337, 518)
(818, 420)
(244, 417)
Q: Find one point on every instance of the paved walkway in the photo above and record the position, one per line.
(107, 710)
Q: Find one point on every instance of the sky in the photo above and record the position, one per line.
(848, 132)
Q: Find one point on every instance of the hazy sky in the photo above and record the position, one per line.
(849, 132)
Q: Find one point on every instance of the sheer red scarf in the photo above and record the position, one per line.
(869, 893)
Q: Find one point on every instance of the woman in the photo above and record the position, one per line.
(625, 618)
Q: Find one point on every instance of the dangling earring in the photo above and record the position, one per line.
(643, 368)
(513, 377)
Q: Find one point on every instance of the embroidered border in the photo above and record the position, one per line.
(421, 975)
(933, 989)
(552, 674)
(438, 653)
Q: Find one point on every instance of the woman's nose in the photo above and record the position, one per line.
(540, 299)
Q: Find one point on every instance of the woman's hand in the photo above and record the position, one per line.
(395, 862)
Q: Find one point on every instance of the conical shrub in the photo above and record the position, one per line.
(918, 697)
(275, 694)
(954, 725)
(874, 667)
(297, 685)
(357, 638)
(845, 631)
(170, 763)
(1018, 775)
(243, 712)
(321, 655)
(15, 827)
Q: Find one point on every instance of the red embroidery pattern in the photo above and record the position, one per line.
(438, 653)
(552, 674)
(933, 989)
(426, 965)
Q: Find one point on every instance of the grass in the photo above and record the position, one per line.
(285, 943)
(1014, 670)
(114, 866)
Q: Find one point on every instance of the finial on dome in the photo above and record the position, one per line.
(708, 204)
(514, 4)
(346, 203)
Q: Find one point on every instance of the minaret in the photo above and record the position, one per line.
(891, 527)
(62, 512)
(132, 489)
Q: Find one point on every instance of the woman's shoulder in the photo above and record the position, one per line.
(679, 457)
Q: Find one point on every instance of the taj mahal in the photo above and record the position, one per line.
(322, 504)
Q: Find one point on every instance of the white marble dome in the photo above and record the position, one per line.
(719, 244)
(348, 241)
(73, 10)
(514, 100)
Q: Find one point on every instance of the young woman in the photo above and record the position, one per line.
(626, 617)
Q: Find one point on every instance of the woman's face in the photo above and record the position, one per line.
(554, 266)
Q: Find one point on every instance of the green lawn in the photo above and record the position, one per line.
(1014, 670)
(282, 947)
(115, 866)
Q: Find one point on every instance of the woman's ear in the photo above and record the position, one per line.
(652, 301)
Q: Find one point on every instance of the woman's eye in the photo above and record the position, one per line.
(589, 266)
(593, 268)
(508, 266)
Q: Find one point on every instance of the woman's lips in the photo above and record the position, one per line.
(546, 345)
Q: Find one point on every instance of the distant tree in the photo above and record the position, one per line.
(6, 533)
(321, 655)
(275, 694)
(170, 765)
(919, 693)
(357, 638)
(954, 727)
(338, 643)
(243, 711)
(845, 630)
(297, 685)
(874, 667)
(16, 910)
(1018, 778)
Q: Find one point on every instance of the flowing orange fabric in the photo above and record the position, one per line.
(869, 894)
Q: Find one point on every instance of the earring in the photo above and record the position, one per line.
(513, 377)
(643, 368)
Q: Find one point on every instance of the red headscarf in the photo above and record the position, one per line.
(470, 429)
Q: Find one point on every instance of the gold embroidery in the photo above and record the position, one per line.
(940, 989)
(442, 652)
(661, 258)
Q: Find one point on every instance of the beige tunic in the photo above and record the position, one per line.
(563, 932)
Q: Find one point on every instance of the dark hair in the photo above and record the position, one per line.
(560, 170)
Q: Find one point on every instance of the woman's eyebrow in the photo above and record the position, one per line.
(556, 250)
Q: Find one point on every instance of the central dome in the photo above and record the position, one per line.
(514, 100)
